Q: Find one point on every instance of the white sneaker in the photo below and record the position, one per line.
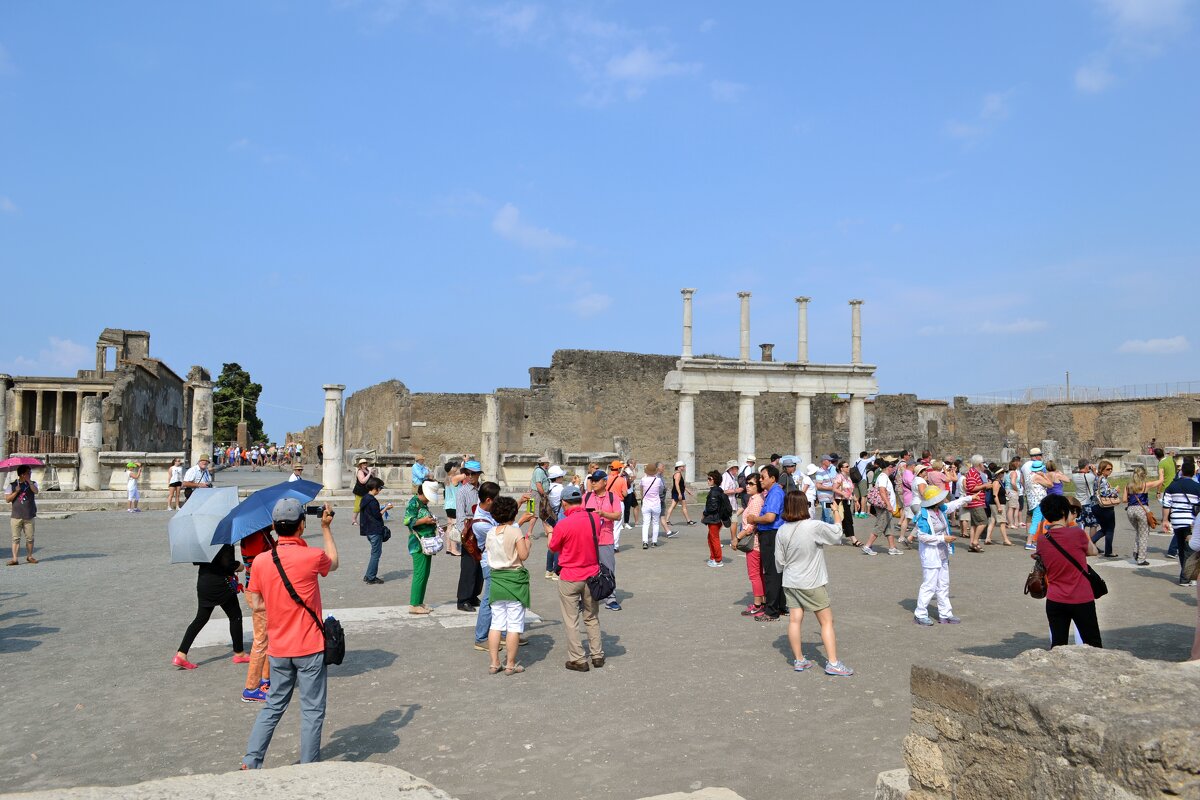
(869, 551)
(894, 552)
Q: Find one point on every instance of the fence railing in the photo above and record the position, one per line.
(1062, 393)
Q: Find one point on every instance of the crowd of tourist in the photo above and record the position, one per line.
(258, 455)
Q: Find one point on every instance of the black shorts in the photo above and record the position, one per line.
(452, 513)
(176, 484)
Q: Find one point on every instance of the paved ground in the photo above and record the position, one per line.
(693, 694)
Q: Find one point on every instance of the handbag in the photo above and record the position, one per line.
(745, 543)
(1151, 520)
(387, 533)
(431, 545)
(1099, 587)
(603, 583)
(470, 544)
(1035, 581)
(335, 636)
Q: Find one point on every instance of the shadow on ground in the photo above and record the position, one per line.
(1163, 641)
(360, 742)
(23, 637)
(360, 662)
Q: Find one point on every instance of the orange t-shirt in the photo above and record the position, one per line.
(291, 631)
(617, 485)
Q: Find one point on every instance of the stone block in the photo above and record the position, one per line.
(925, 762)
(942, 689)
(892, 785)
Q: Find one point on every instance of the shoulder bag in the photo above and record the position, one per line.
(745, 543)
(603, 583)
(1099, 587)
(335, 637)
(1035, 581)
(1151, 520)
(470, 544)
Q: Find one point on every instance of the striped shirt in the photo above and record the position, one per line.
(1182, 497)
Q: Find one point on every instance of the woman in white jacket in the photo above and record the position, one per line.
(935, 535)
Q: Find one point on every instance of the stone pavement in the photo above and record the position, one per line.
(693, 694)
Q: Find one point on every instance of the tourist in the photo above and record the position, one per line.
(320, 454)
(824, 480)
(934, 536)
(766, 523)
(420, 523)
(1035, 492)
(1181, 502)
(295, 641)
(717, 512)
(22, 494)
(539, 491)
(297, 474)
(362, 472)
(744, 475)
(884, 506)
(975, 490)
(1014, 491)
(843, 495)
(557, 478)
(1084, 481)
(660, 469)
(258, 673)
(470, 570)
(998, 507)
(370, 519)
(420, 472)
(808, 484)
(746, 529)
(450, 506)
(618, 486)
(254, 458)
(729, 482)
(197, 477)
(679, 494)
(1135, 495)
(652, 494)
(574, 539)
(1166, 474)
(800, 557)
(215, 586)
(174, 481)
(787, 476)
(1107, 500)
(133, 474)
(481, 525)
(507, 550)
(606, 506)
(1069, 596)
(633, 514)
(863, 467)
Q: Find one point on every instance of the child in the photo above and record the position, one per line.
(507, 549)
(934, 535)
(801, 560)
(133, 475)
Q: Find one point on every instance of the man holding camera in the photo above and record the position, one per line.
(197, 477)
(21, 494)
(295, 644)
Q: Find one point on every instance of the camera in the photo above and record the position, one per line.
(315, 511)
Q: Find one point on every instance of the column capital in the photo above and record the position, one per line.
(334, 387)
(743, 294)
(748, 395)
(687, 292)
(804, 395)
(856, 302)
(803, 300)
(689, 392)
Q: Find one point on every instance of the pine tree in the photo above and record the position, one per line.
(232, 386)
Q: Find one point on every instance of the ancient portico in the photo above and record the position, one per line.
(750, 379)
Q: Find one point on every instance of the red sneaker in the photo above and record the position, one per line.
(182, 663)
(241, 658)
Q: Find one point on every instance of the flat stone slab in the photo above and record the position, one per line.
(333, 780)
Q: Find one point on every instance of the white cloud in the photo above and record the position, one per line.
(642, 65)
(1156, 347)
(508, 225)
(589, 305)
(727, 91)
(1021, 325)
(62, 357)
(1093, 78)
(1142, 18)
(7, 206)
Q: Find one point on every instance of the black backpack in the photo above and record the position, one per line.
(855, 475)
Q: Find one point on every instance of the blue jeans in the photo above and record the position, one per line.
(308, 674)
(484, 619)
(551, 561)
(376, 540)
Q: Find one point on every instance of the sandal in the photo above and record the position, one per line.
(513, 670)
(419, 610)
(31, 560)
(13, 563)
(855, 543)
(494, 668)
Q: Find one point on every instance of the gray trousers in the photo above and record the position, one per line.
(609, 559)
(308, 674)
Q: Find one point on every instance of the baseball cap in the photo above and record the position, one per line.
(473, 466)
(617, 465)
(131, 465)
(788, 461)
(571, 494)
(828, 458)
(287, 510)
(598, 475)
(555, 472)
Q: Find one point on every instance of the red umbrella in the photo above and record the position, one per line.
(19, 461)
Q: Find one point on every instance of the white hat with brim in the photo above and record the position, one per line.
(812, 469)
(935, 500)
(730, 464)
(555, 472)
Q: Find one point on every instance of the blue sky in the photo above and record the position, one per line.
(446, 192)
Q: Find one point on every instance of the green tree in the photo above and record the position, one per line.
(232, 386)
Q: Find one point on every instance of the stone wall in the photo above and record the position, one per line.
(1071, 722)
(144, 410)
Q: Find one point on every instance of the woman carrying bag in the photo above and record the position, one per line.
(421, 524)
(1064, 549)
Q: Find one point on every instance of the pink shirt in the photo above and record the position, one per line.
(609, 502)
(572, 540)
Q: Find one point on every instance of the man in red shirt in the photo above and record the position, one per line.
(974, 484)
(574, 539)
(295, 643)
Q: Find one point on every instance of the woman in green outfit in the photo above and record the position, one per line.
(420, 523)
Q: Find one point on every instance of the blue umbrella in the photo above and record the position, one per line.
(254, 513)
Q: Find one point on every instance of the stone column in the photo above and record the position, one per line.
(802, 330)
(746, 426)
(745, 296)
(489, 448)
(858, 425)
(334, 437)
(687, 322)
(37, 412)
(4, 381)
(58, 412)
(856, 333)
(78, 413)
(202, 420)
(18, 423)
(687, 432)
(91, 436)
(804, 429)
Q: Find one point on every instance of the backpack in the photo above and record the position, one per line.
(855, 474)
